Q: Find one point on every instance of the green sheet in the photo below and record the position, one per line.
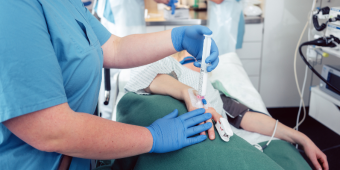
(219, 86)
(236, 154)
(285, 154)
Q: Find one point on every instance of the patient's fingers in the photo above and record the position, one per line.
(216, 116)
(202, 133)
(211, 131)
(323, 161)
(196, 120)
(324, 164)
(198, 129)
(192, 114)
(315, 162)
(194, 140)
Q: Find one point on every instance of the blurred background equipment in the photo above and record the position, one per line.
(121, 18)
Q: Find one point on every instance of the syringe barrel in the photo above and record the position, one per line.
(204, 73)
(206, 51)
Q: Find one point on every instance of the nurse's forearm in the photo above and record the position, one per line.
(263, 124)
(59, 129)
(136, 50)
(98, 138)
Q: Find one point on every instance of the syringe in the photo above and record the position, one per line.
(202, 87)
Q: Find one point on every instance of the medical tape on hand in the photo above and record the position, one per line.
(196, 99)
(224, 129)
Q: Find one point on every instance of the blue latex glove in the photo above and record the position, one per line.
(188, 60)
(191, 38)
(172, 5)
(171, 133)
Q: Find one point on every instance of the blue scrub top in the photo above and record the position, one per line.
(50, 53)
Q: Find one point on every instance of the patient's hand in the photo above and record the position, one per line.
(317, 157)
(215, 115)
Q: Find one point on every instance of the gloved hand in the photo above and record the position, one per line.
(172, 5)
(171, 133)
(191, 38)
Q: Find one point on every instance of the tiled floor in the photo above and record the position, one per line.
(327, 140)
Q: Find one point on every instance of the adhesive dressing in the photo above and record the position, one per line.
(196, 99)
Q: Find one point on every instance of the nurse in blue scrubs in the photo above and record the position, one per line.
(51, 57)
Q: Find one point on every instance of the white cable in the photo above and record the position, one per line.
(261, 148)
(271, 138)
(295, 74)
(303, 89)
(296, 79)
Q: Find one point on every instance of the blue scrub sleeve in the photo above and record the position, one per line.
(101, 32)
(30, 75)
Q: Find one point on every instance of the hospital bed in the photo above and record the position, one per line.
(231, 74)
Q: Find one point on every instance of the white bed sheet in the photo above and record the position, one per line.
(235, 80)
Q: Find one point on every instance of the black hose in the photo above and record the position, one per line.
(107, 84)
(311, 67)
(325, 11)
(316, 24)
(107, 79)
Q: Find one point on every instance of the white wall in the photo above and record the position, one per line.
(284, 21)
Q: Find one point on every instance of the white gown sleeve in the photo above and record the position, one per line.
(141, 78)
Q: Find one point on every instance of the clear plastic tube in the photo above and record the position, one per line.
(202, 88)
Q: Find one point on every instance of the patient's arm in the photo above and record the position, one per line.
(263, 124)
(167, 85)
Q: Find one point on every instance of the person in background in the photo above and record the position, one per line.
(226, 20)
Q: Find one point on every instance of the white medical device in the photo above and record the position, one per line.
(333, 13)
(202, 88)
(224, 129)
(325, 43)
(333, 29)
(332, 74)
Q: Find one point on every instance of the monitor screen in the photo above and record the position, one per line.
(334, 80)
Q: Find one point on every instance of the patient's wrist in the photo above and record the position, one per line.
(301, 138)
(185, 94)
(192, 101)
(187, 100)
